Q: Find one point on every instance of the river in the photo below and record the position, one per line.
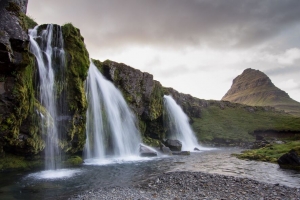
(44, 185)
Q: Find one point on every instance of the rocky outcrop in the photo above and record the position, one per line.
(174, 145)
(290, 160)
(255, 88)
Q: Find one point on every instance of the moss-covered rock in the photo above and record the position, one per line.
(77, 59)
(143, 95)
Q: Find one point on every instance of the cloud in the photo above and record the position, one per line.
(172, 23)
(289, 57)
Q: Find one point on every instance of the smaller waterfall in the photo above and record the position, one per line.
(178, 124)
(47, 46)
(111, 129)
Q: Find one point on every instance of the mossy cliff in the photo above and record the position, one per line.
(21, 140)
(77, 59)
(143, 95)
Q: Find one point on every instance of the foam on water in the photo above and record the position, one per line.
(55, 174)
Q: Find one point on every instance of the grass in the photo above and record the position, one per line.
(239, 122)
(270, 153)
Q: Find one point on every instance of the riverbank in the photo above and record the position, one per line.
(194, 185)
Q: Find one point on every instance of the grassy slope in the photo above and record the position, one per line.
(235, 123)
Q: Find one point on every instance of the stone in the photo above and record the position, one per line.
(196, 149)
(289, 160)
(174, 145)
(147, 151)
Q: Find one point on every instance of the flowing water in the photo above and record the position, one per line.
(177, 124)
(47, 46)
(124, 173)
(111, 127)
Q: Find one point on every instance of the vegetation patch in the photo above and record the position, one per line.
(11, 162)
(270, 153)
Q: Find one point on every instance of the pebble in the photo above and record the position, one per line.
(193, 185)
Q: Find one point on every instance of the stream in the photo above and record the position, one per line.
(64, 183)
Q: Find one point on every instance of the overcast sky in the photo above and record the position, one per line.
(195, 46)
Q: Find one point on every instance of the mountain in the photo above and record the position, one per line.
(255, 88)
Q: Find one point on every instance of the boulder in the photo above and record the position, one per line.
(174, 145)
(290, 160)
(147, 151)
(196, 149)
(165, 150)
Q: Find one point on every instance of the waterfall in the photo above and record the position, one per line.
(47, 46)
(178, 125)
(111, 127)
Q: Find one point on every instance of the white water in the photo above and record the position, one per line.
(49, 53)
(178, 124)
(111, 127)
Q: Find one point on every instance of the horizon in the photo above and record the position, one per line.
(195, 47)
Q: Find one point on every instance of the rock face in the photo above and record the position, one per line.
(174, 145)
(255, 88)
(143, 94)
(20, 109)
(290, 160)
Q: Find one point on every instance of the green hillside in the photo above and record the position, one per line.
(236, 123)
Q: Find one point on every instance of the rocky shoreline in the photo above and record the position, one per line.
(194, 185)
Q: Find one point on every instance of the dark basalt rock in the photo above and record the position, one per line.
(290, 160)
(165, 150)
(146, 151)
(196, 149)
(174, 145)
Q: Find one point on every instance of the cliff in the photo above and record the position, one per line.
(255, 88)
(214, 122)
(20, 109)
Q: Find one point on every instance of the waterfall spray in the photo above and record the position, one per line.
(47, 46)
(178, 125)
(111, 127)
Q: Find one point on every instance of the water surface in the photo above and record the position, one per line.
(66, 182)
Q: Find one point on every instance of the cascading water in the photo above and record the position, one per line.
(111, 129)
(178, 125)
(47, 46)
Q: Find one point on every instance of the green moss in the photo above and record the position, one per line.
(11, 162)
(270, 153)
(156, 101)
(151, 142)
(73, 161)
(78, 62)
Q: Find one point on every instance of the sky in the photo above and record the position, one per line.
(195, 46)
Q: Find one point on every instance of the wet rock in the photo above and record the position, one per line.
(174, 145)
(147, 152)
(196, 149)
(165, 150)
(289, 160)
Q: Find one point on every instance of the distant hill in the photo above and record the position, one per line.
(255, 88)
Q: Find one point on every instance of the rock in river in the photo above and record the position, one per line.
(174, 145)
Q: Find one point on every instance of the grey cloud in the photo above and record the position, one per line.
(283, 70)
(174, 23)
